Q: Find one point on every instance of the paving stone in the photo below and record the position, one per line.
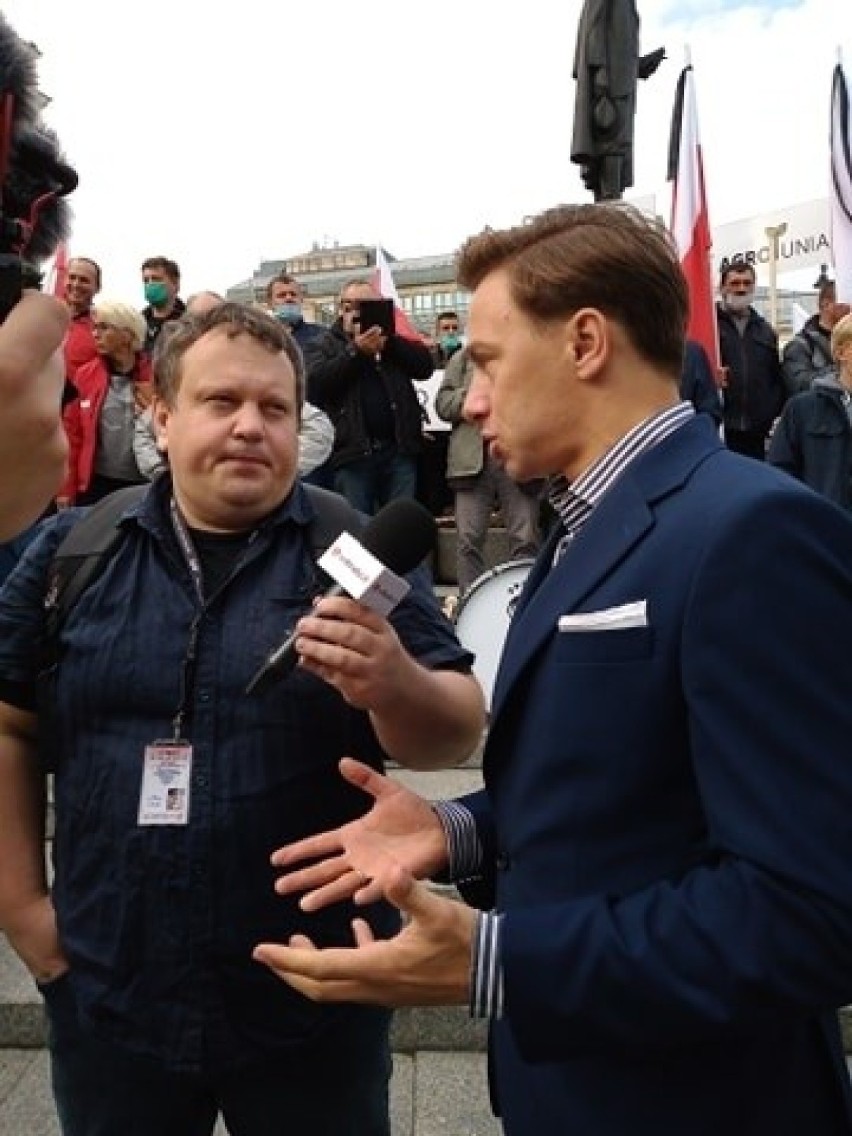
(451, 1096)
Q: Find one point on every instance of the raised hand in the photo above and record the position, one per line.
(400, 827)
(427, 963)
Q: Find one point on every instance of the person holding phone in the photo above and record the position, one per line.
(361, 373)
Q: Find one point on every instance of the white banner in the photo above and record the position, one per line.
(805, 244)
(426, 392)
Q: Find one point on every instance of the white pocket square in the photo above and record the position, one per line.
(611, 619)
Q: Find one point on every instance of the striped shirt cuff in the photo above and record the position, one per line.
(486, 978)
(464, 848)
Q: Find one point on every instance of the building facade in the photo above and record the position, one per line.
(426, 284)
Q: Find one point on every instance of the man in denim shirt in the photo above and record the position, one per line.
(173, 786)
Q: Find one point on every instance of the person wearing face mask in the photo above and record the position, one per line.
(751, 377)
(284, 297)
(161, 280)
(433, 491)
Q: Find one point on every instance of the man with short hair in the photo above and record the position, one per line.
(284, 297)
(661, 852)
(807, 356)
(363, 379)
(200, 303)
(82, 284)
(161, 280)
(447, 340)
(159, 1018)
(480, 484)
(752, 379)
(432, 488)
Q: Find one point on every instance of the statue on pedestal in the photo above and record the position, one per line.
(607, 66)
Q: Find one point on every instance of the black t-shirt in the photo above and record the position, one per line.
(218, 554)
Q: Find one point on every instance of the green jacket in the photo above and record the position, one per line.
(465, 451)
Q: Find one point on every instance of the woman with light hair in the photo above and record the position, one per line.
(813, 440)
(113, 390)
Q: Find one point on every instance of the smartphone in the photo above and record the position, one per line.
(376, 313)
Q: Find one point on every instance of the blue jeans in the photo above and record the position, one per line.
(370, 482)
(339, 1088)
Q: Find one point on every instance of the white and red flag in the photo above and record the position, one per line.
(58, 273)
(384, 284)
(690, 223)
(840, 188)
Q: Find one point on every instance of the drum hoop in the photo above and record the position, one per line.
(498, 570)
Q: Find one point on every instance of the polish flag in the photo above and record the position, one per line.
(690, 225)
(840, 189)
(382, 281)
(58, 272)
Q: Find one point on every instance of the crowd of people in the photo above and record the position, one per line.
(363, 431)
(658, 916)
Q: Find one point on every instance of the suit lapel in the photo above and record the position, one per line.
(623, 518)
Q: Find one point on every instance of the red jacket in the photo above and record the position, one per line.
(79, 345)
(81, 418)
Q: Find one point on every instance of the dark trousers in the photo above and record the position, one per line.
(339, 1089)
(432, 489)
(371, 482)
(752, 443)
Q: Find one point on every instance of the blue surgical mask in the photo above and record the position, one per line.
(450, 342)
(288, 313)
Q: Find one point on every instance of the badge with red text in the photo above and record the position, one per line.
(165, 783)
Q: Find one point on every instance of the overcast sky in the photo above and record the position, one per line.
(220, 134)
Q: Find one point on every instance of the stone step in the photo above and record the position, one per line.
(496, 550)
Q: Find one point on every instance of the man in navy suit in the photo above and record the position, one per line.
(662, 855)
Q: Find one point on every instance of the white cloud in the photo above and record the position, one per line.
(220, 135)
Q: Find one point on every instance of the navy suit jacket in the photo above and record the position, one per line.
(667, 818)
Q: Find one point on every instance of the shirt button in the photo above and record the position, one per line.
(502, 862)
(204, 696)
(202, 780)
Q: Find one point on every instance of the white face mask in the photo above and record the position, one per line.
(739, 303)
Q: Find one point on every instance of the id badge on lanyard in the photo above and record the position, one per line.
(164, 798)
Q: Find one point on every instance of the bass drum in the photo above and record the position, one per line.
(484, 614)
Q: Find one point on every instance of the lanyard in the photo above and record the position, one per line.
(187, 670)
(187, 675)
(188, 550)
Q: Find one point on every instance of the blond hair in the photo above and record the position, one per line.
(124, 318)
(841, 335)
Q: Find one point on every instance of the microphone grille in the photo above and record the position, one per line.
(400, 535)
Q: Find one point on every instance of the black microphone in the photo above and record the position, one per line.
(399, 536)
(34, 177)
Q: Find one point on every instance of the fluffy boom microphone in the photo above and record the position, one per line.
(399, 536)
(34, 177)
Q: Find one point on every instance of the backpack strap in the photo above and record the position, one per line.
(86, 548)
(82, 554)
